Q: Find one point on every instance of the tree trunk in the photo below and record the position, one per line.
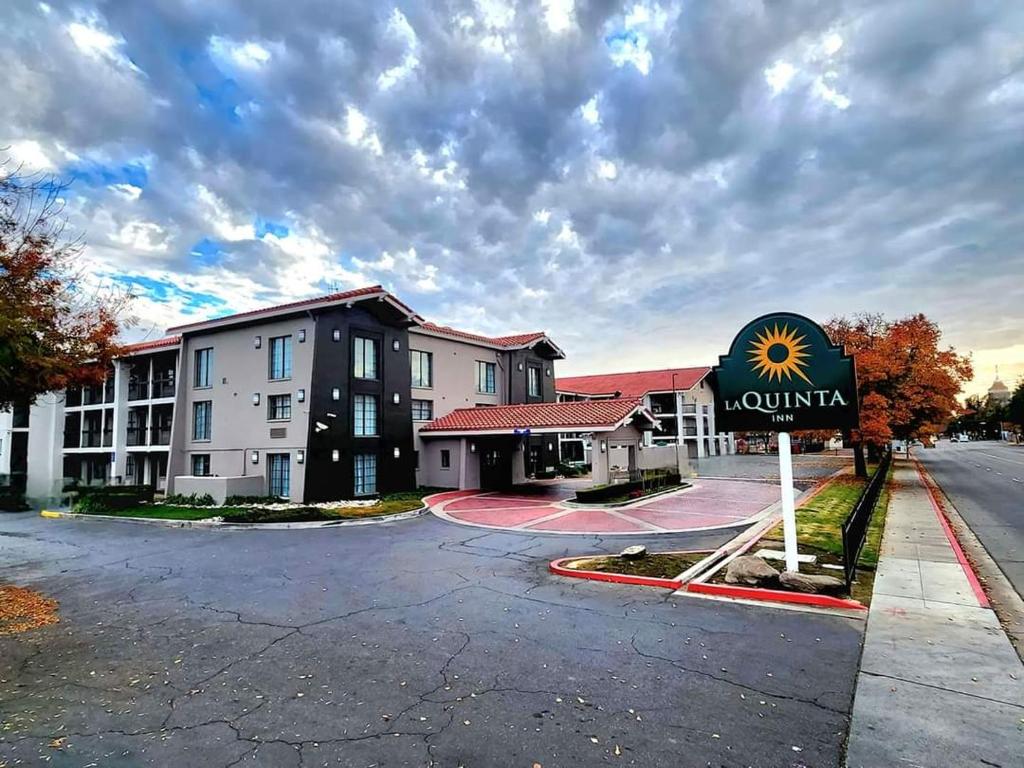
(860, 466)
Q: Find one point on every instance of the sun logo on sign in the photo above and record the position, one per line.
(778, 353)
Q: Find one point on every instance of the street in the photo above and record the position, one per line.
(985, 480)
(410, 643)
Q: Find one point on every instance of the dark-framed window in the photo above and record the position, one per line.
(364, 415)
(203, 368)
(280, 357)
(280, 474)
(202, 417)
(364, 358)
(200, 464)
(422, 364)
(485, 378)
(422, 410)
(533, 381)
(279, 407)
(446, 459)
(364, 474)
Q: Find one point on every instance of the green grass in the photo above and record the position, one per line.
(389, 506)
(162, 512)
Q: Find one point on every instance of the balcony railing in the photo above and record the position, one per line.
(138, 390)
(690, 408)
(136, 436)
(163, 388)
(161, 436)
(108, 438)
(91, 439)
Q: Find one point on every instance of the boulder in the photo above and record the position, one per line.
(809, 582)
(749, 570)
(635, 552)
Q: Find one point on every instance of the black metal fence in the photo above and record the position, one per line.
(855, 527)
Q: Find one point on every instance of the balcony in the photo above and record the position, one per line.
(163, 387)
(136, 435)
(108, 438)
(91, 439)
(161, 436)
(689, 408)
(138, 389)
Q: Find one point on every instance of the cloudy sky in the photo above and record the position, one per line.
(637, 178)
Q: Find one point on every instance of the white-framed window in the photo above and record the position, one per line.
(364, 358)
(422, 410)
(364, 416)
(202, 416)
(279, 407)
(280, 357)
(422, 368)
(279, 466)
(365, 474)
(485, 378)
(533, 381)
(200, 464)
(203, 372)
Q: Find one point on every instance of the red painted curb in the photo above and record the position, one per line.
(961, 558)
(774, 596)
(555, 566)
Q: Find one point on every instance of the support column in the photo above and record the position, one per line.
(788, 505)
(701, 447)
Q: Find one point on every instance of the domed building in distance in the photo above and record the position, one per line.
(999, 393)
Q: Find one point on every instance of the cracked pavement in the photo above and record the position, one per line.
(412, 643)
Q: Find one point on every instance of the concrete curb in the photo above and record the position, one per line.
(556, 567)
(222, 526)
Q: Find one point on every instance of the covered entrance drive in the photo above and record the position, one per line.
(501, 447)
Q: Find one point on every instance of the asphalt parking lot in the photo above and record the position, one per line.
(412, 643)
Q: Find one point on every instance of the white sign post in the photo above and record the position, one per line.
(788, 505)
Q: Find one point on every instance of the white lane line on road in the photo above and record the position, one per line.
(997, 457)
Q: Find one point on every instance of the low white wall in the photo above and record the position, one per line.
(664, 457)
(219, 487)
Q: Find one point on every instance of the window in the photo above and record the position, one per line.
(281, 357)
(204, 359)
(279, 407)
(422, 368)
(533, 381)
(364, 358)
(446, 459)
(200, 464)
(202, 413)
(129, 469)
(364, 420)
(422, 410)
(365, 471)
(280, 474)
(485, 378)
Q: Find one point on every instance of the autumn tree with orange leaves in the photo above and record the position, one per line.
(55, 330)
(907, 383)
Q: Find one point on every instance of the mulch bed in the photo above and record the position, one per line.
(24, 609)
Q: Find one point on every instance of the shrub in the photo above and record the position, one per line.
(236, 501)
(12, 500)
(96, 500)
(293, 515)
(191, 500)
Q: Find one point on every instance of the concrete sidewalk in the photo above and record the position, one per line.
(940, 684)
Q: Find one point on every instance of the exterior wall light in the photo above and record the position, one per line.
(519, 367)
(257, 342)
(336, 334)
(547, 372)
(396, 345)
(300, 457)
(335, 455)
(301, 395)
(472, 447)
(335, 394)
(396, 398)
(255, 398)
(302, 335)
(551, 447)
(604, 446)
(398, 452)
(254, 457)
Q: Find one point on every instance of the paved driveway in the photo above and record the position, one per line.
(406, 644)
(707, 504)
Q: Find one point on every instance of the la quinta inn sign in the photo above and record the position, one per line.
(783, 373)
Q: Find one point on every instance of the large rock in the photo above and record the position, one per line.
(809, 582)
(749, 570)
(635, 552)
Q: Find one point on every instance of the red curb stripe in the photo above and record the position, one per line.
(961, 558)
(555, 566)
(774, 596)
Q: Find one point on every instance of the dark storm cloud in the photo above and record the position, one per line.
(639, 177)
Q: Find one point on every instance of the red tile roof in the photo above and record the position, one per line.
(579, 415)
(635, 384)
(515, 340)
(330, 298)
(144, 346)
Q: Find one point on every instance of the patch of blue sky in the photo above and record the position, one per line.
(266, 227)
(207, 251)
(621, 39)
(96, 174)
(164, 290)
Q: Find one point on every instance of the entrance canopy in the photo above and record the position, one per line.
(541, 418)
